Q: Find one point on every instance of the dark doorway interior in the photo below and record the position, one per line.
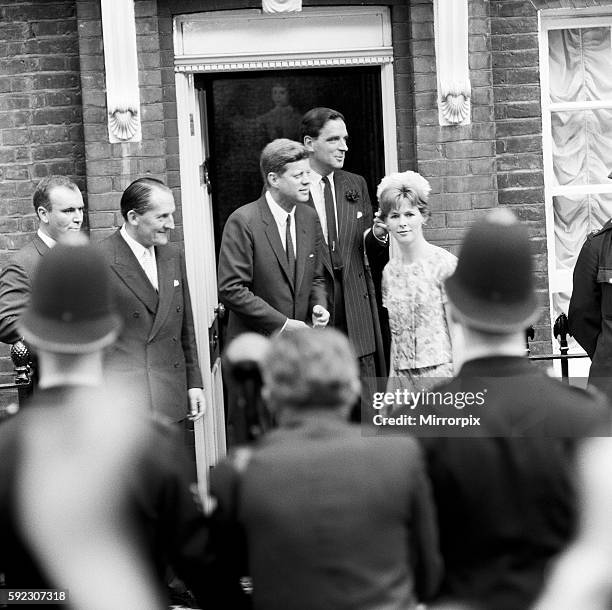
(247, 110)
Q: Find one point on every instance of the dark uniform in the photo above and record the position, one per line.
(506, 502)
(590, 309)
(167, 518)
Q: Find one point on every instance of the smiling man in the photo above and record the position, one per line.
(270, 267)
(155, 354)
(270, 263)
(59, 206)
(343, 205)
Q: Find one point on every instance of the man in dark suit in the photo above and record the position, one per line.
(590, 308)
(505, 498)
(343, 205)
(316, 514)
(270, 263)
(58, 203)
(91, 494)
(156, 352)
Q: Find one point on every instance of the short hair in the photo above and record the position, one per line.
(314, 120)
(311, 368)
(137, 195)
(44, 187)
(396, 188)
(278, 154)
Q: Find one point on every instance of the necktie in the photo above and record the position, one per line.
(332, 232)
(289, 248)
(150, 268)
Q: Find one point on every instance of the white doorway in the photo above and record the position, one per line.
(249, 41)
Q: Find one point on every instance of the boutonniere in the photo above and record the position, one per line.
(352, 195)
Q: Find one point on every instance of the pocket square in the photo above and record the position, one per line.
(176, 283)
(359, 214)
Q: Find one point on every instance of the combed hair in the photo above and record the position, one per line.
(314, 120)
(44, 187)
(398, 187)
(278, 154)
(311, 369)
(137, 195)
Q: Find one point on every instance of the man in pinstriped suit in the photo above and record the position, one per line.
(348, 281)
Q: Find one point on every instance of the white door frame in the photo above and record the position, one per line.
(207, 42)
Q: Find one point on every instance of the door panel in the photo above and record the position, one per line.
(200, 259)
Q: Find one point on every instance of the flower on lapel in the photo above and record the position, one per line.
(352, 195)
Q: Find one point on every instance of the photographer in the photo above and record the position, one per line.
(241, 368)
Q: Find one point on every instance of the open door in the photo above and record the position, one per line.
(198, 231)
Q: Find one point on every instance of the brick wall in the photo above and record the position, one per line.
(458, 161)
(520, 175)
(40, 115)
(111, 167)
(496, 160)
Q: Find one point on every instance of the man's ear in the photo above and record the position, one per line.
(42, 213)
(132, 218)
(272, 178)
(308, 143)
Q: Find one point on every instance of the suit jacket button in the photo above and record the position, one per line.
(178, 308)
(136, 314)
(176, 365)
(174, 339)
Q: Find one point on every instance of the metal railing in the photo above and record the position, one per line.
(561, 333)
(23, 380)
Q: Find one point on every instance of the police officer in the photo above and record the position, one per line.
(590, 309)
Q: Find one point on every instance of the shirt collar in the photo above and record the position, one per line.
(316, 178)
(137, 248)
(280, 215)
(49, 241)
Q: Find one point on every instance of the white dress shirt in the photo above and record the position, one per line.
(144, 256)
(48, 240)
(316, 190)
(280, 217)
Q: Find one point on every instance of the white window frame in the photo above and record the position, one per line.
(561, 20)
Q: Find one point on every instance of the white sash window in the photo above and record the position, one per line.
(575, 61)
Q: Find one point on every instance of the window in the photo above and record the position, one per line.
(575, 60)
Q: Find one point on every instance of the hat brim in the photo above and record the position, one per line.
(69, 337)
(490, 317)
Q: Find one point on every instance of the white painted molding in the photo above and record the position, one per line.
(315, 32)
(121, 64)
(452, 61)
(281, 6)
(275, 61)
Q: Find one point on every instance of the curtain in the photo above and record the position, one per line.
(579, 64)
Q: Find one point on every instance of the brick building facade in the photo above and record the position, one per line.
(53, 114)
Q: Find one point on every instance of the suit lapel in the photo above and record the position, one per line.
(302, 250)
(165, 281)
(40, 245)
(324, 249)
(132, 275)
(344, 210)
(274, 239)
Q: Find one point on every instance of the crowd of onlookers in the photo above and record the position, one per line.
(498, 501)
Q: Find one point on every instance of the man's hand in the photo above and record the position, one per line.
(197, 403)
(380, 229)
(294, 325)
(320, 316)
